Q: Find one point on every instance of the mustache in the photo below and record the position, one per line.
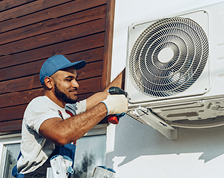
(74, 89)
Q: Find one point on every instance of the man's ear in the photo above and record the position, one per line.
(49, 82)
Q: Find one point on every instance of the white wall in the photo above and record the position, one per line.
(136, 150)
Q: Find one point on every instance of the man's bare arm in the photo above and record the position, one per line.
(66, 131)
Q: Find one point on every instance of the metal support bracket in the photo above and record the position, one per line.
(154, 121)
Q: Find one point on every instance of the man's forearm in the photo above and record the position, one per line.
(86, 121)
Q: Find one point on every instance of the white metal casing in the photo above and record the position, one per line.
(202, 100)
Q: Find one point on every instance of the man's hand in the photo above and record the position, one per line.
(116, 104)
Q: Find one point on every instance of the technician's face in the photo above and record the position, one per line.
(65, 85)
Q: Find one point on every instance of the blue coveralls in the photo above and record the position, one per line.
(66, 150)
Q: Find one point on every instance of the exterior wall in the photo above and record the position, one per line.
(30, 32)
(137, 150)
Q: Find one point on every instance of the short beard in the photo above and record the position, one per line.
(60, 95)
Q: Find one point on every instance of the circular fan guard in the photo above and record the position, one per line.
(161, 74)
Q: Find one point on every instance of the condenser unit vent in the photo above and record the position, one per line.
(168, 56)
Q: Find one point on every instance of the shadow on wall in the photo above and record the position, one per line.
(133, 139)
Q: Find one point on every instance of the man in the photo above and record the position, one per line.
(46, 125)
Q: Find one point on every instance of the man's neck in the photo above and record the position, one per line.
(52, 97)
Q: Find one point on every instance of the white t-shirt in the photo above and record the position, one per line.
(36, 149)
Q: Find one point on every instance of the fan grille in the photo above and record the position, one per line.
(168, 57)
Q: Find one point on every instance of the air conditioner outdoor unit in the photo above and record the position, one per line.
(175, 70)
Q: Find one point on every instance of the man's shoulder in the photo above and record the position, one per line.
(39, 99)
(41, 105)
(40, 102)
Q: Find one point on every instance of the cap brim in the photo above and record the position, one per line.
(77, 65)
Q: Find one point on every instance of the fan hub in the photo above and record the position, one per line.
(165, 55)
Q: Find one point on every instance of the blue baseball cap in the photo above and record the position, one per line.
(58, 62)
